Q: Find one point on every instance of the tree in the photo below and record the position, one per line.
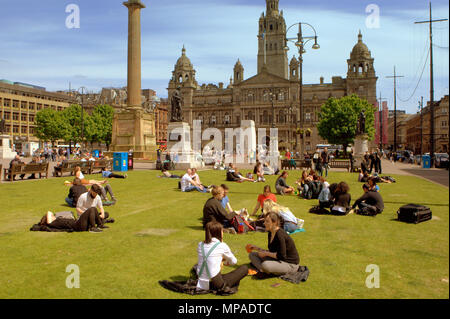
(102, 117)
(72, 119)
(50, 125)
(338, 119)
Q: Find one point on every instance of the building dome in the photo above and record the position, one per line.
(360, 50)
(184, 62)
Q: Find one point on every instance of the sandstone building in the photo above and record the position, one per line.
(271, 97)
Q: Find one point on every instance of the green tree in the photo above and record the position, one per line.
(50, 125)
(102, 117)
(72, 120)
(338, 119)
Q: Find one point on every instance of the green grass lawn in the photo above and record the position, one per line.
(157, 230)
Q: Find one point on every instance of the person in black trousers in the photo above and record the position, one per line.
(369, 204)
(88, 221)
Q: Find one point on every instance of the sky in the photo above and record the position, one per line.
(37, 47)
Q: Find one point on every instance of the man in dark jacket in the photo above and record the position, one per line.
(213, 209)
(75, 192)
(370, 204)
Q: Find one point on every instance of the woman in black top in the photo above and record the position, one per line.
(282, 256)
(86, 222)
(342, 199)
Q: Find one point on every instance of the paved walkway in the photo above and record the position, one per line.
(435, 175)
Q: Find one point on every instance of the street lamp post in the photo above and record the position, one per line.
(300, 42)
(83, 89)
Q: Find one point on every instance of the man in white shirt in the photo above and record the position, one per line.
(91, 199)
(188, 184)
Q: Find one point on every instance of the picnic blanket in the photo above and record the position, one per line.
(301, 230)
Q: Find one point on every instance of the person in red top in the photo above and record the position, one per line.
(267, 194)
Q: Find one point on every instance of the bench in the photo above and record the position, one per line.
(101, 165)
(69, 166)
(23, 169)
(286, 164)
(340, 164)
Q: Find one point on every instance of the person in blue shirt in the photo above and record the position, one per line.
(373, 185)
(225, 200)
(109, 174)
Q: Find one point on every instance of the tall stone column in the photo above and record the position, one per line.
(134, 126)
(134, 52)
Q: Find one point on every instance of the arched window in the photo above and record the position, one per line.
(213, 119)
(226, 118)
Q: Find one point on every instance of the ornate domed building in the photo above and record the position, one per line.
(271, 97)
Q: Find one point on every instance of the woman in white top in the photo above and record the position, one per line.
(212, 255)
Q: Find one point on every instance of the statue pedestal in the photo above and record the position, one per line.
(5, 148)
(180, 148)
(134, 129)
(360, 148)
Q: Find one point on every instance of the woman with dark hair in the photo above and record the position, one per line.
(281, 185)
(282, 256)
(213, 253)
(302, 182)
(90, 221)
(267, 194)
(342, 199)
(373, 184)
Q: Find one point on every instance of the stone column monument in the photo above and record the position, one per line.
(134, 126)
(5, 148)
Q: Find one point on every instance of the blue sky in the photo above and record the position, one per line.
(37, 48)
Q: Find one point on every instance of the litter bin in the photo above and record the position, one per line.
(96, 153)
(120, 161)
(130, 160)
(426, 161)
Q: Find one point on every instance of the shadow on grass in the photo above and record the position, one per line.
(179, 278)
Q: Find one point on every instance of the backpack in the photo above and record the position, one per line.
(66, 215)
(239, 221)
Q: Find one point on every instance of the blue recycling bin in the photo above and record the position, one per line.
(96, 153)
(120, 161)
(426, 161)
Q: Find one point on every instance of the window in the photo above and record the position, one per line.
(15, 129)
(15, 116)
(7, 102)
(23, 117)
(39, 106)
(308, 116)
(226, 119)
(31, 106)
(15, 104)
(213, 119)
(23, 105)
(7, 115)
(23, 130)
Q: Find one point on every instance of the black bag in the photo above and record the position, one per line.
(413, 213)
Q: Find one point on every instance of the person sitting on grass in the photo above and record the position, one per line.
(214, 211)
(302, 182)
(167, 174)
(109, 174)
(187, 184)
(89, 221)
(92, 201)
(259, 172)
(342, 199)
(213, 253)
(281, 257)
(281, 185)
(196, 178)
(288, 221)
(225, 200)
(75, 192)
(370, 203)
(267, 194)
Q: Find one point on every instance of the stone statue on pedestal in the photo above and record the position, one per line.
(361, 126)
(176, 107)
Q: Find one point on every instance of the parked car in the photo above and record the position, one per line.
(441, 160)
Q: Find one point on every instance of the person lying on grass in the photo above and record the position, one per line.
(109, 174)
(77, 189)
(288, 220)
(167, 174)
(88, 221)
(281, 257)
(79, 174)
(213, 254)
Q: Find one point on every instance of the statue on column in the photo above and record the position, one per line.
(361, 126)
(176, 107)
